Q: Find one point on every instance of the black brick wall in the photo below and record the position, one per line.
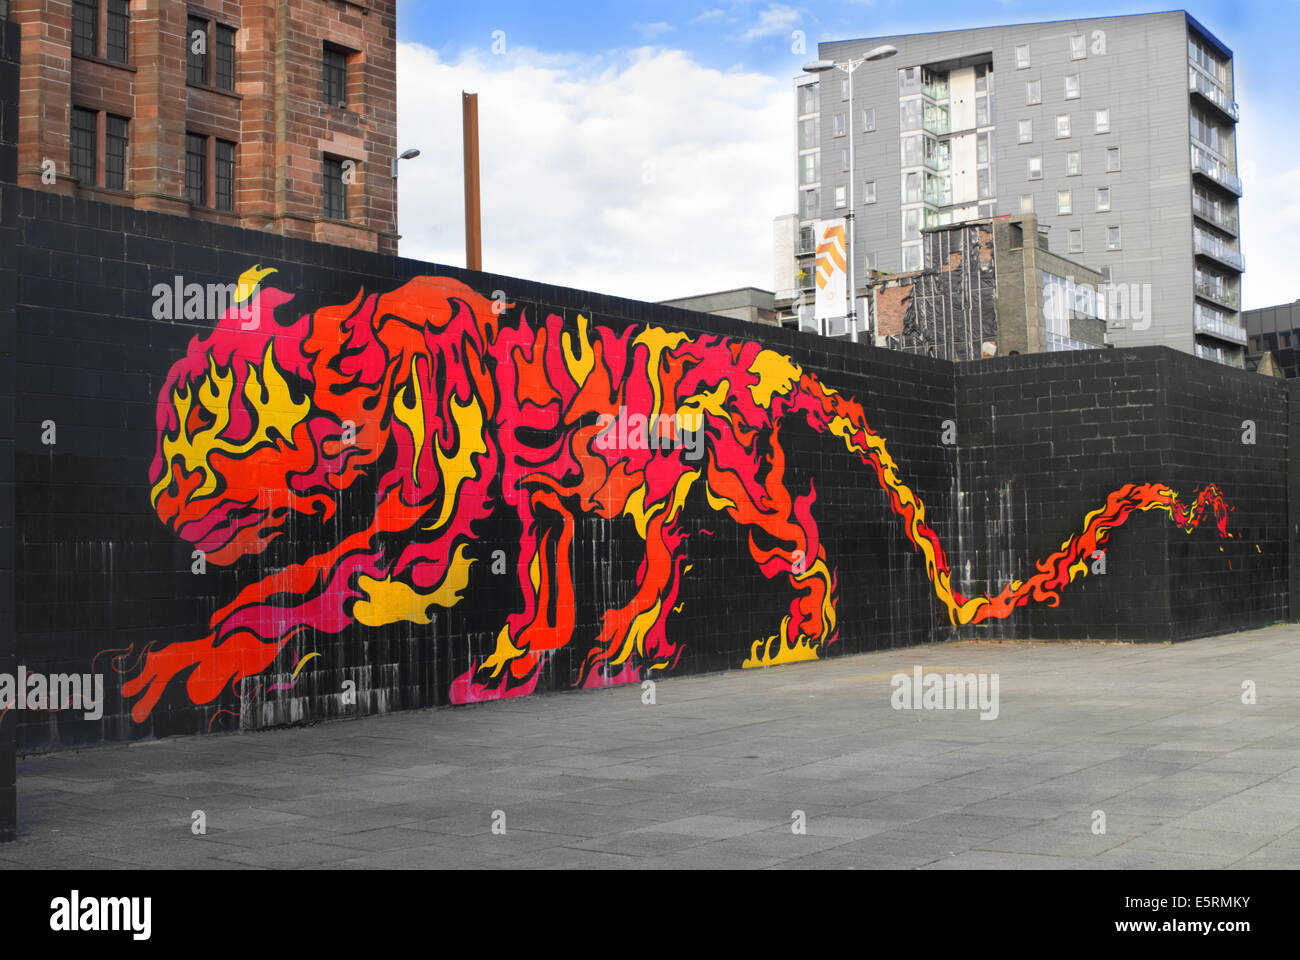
(1045, 438)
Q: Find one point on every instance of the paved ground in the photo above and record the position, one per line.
(1156, 737)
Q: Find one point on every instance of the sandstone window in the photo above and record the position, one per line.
(209, 53)
(83, 136)
(335, 81)
(224, 170)
(115, 151)
(335, 190)
(196, 169)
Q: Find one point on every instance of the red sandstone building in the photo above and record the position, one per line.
(278, 116)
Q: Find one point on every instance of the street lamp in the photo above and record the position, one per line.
(883, 52)
(404, 155)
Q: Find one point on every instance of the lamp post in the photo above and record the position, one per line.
(404, 155)
(883, 52)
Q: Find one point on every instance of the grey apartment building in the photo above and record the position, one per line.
(1117, 132)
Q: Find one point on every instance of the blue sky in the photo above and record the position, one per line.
(629, 197)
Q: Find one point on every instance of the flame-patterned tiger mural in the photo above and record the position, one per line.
(428, 394)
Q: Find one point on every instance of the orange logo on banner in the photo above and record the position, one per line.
(830, 255)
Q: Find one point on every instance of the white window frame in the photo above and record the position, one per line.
(869, 191)
(1039, 160)
(1022, 62)
(1064, 203)
(1025, 131)
(841, 197)
(1101, 120)
(1059, 134)
(1032, 98)
(1103, 206)
(1027, 207)
(1077, 86)
(839, 125)
(1113, 151)
(1075, 241)
(1075, 158)
(869, 126)
(1078, 47)
(1117, 243)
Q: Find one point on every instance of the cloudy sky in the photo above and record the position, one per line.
(643, 148)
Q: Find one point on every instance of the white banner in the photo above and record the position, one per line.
(832, 268)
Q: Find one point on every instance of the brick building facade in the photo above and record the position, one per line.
(277, 116)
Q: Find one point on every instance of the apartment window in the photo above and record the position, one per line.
(909, 80)
(115, 155)
(1022, 57)
(1106, 274)
(912, 224)
(869, 191)
(839, 124)
(1112, 238)
(841, 197)
(912, 258)
(984, 182)
(911, 148)
(224, 78)
(1076, 241)
(913, 188)
(196, 169)
(909, 113)
(1072, 87)
(844, 161)
(335, 64)
(1064, 202)
(224, 170)
(1026, 203)
(811, 208)
(807, 134)
(871, 261)
(1112, 159)
(119, 30)
(1026, 131)
(83, 135)
(810, 168)
(1074, 164)
(85, 28)
(869, 120)
(844, 88)
(1035, 168)
(1062, 126)
(982, 112)
(1034, 92)
(1103, 121)
(810, 104)
(1103, 199)
(196, 50)
(335, 190)
(1078, 47)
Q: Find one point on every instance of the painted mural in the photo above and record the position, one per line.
(426, 396)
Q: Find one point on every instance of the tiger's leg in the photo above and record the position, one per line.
(795, 552)
(640, 626)
(547, 620)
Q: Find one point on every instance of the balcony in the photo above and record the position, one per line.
(936, 90)
(1215, 214)
(1213, 94)
(1215, 293)
(936, 123)
(1209, 323)
(1208, 166)
(1208, 245)
(1229, 358)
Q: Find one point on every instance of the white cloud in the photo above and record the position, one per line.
(567, 148)
(777, 19)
